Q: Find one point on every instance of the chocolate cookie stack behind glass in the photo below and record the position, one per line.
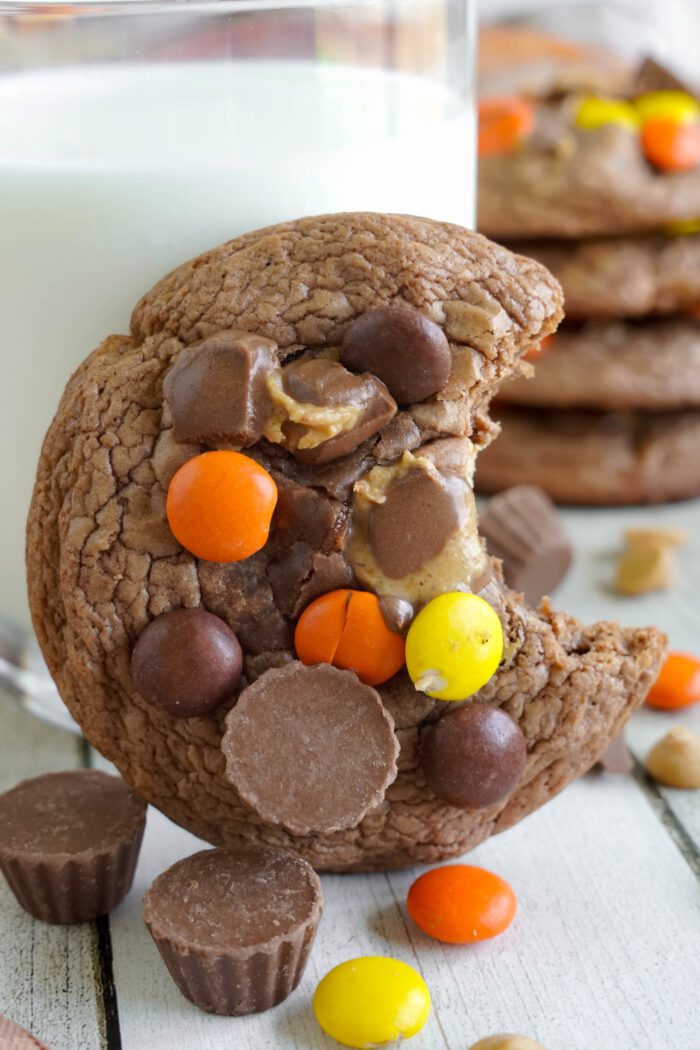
(605, 191)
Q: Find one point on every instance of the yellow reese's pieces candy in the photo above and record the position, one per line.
(372, 1001)
(454, 646)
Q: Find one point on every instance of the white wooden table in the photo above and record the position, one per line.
(604, 953)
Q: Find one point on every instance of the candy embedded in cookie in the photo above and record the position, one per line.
(187, 662)
(403, 347)
(323, 411)
(310, 748)
(474, 756)
(217, 389)
(220, 505)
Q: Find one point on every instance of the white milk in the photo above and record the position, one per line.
(111, 176)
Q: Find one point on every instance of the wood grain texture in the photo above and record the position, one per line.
(48, 974)
(587, 593)
(603, 952)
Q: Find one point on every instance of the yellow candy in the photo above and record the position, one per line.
(454, 646)
(668, 105)
(594, 112)
(371, 1001)
(682, 227)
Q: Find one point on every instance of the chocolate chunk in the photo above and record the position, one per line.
(653, 76)
(523, 528)
(69, 843)
(186, 662)
(302, 574)
(397, 613)
(217, 389)
(310, 748)
(408, 351)
(398, 436)
(330, 386)
(420, 513)
(303, 513)
(235, 926)
(474, 756)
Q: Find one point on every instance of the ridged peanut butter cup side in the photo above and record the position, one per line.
(69, 843)
(235, 926)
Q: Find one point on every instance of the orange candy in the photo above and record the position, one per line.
(671, 145)
(220, 504)
(678, 684)
(346, 628)
(538, 350)
(503, 124)
(461, 904)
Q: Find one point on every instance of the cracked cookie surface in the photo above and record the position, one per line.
(103, 563)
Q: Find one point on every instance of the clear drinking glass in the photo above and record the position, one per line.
(136, 134)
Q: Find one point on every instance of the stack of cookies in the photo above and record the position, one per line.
(605, 191)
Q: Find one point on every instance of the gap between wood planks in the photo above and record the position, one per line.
(668, 818)
(104, 971)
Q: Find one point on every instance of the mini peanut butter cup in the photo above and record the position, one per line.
(235, 926)
(69, 843)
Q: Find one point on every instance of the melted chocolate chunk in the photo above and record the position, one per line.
(397, 613)
(217, 390)
(310, 748)
(474, 756)
(408, 351)
(186, 662)
(329, 385)
(420, 513)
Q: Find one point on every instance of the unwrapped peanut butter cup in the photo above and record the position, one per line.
(69, 843)
(523, 528)
(235, 926)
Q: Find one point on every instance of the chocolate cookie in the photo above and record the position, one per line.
(103, 562)
(590, 458)
(591, 175)
(618, 277)
(616, 367)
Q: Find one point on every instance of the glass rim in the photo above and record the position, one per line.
(99, 8)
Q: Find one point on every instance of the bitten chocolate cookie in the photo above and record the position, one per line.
(591, 458)
(611, 278)
(574, 165)
(305, 488)
(616, 367)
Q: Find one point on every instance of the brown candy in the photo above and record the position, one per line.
(327, 384)
(310, 748)
(523, 528)
(186, 662)
(397, 613)
(69, 843)
(408, 351)
(217, 389)
(420, 513)
(473, 757)
(235, 926)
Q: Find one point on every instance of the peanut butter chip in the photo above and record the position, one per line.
(675, 759)
(648, 562)
(507, 1042)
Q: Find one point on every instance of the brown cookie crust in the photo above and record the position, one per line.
(618, 277)
(594, 459)
(615, 367)
(569, 182)
(102, 561)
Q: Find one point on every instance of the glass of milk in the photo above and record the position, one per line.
(136, 133)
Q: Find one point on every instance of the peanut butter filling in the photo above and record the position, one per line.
(321, 422)
(414, 532)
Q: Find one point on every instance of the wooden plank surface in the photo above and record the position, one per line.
(602, 954)
(49, 975)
